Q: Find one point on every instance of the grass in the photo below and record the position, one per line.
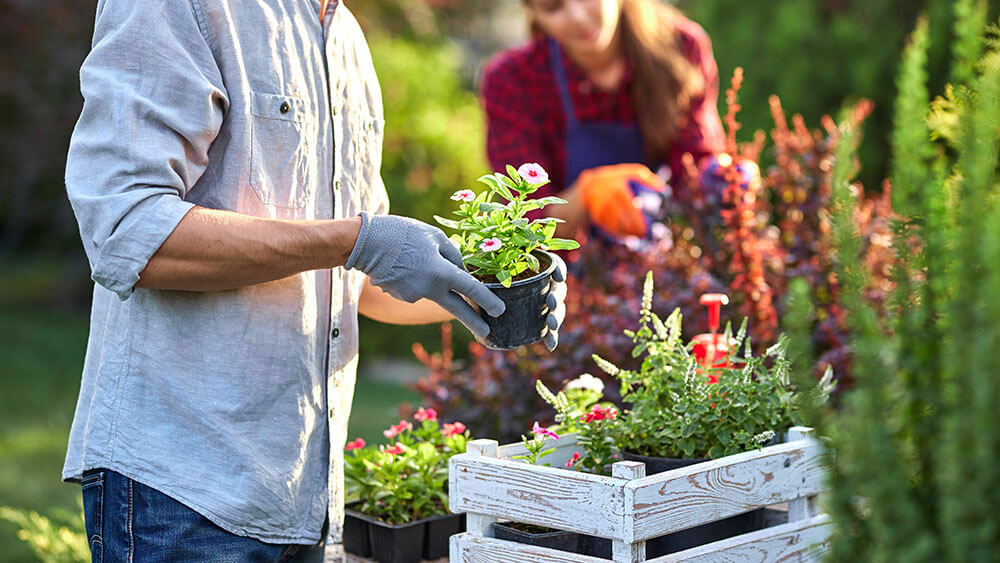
(40, 367)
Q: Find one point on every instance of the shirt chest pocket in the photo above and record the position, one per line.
(283, 163)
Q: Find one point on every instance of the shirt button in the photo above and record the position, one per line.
(336, 185)
(335, 332)
(284, 107)
(331, 413)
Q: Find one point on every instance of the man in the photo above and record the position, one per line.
(225, 176)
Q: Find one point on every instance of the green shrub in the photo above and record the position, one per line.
(915, 447)
(56, 539)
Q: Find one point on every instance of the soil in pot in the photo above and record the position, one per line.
(699, 535)
(523, 322)
(439, 532)
(536, 535)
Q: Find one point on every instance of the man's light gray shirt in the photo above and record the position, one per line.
(230, 402)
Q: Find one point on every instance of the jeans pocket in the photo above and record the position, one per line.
(92, 488)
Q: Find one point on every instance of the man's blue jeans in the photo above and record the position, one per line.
(128, 521)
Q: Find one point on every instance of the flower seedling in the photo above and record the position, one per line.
(497, 239)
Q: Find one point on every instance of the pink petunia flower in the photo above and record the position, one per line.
(464, 195)
(453, 429)
(426, 414)
(538, 430)
(398, 429)
(490, 244)
(533, 173)
(573, 460)
(355, 444)
(395, 450)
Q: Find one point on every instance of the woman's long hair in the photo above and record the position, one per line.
(664, 81)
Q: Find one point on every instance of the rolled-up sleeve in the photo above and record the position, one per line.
(153, 104)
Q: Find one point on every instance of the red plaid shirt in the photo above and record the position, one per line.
(526, 122)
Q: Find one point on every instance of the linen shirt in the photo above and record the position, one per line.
(234, 403)
(526, 121)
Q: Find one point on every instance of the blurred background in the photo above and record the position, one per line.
(817, 55)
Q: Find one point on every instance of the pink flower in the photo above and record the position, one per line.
(355, 445)
(394, 450)
(453, 429)
(426, 414)
(533, 173)
(599, 413)
(490, 244)
(573, 460)
(396, 430)
(464, 195)
(538, 430)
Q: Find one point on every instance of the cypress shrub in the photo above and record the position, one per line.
(914, 446)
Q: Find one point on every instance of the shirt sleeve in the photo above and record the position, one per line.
(702, 134)
(153, 104)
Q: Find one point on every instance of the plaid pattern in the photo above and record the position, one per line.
(526, 122)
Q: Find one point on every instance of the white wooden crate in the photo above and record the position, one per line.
(630, 508)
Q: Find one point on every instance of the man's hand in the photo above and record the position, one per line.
(409, 260)
(608, 193)
(556, 307)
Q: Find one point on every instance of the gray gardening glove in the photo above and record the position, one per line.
(409, 260)
(556, 307)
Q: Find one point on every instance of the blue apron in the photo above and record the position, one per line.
(593, 143)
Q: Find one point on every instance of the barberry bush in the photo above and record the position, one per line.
(742, 238)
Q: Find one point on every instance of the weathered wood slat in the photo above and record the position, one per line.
(545, 496)
(686, 497)
(466, 548)
(806, 540)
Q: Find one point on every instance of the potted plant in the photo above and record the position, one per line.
(508, 251)
(536, 448)
(684, 412)
(402, 515)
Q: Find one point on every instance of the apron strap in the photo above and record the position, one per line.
(560, 73)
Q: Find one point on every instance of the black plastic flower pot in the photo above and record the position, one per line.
(356, 533)
(392, 543)
(554, 539)
(698, 535)
(439, 532)
(523, 322)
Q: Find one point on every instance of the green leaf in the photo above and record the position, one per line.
(490, 207)
(447, 222)
(532, 261)
(490, 181)
(512, 172)
(562, 244)
(503, 276)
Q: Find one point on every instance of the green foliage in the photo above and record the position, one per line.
(572, 403)
(914, 450)
(830, 52)
(434, 131)
(679, 411)
(56, 539)
(407, 480)
(496, 239)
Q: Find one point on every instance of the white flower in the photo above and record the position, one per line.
(490, 244)
(587, 382)
(464, 195)
(533, 173)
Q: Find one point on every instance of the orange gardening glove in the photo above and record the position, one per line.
(608, 193)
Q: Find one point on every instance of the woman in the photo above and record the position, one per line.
(605, 90)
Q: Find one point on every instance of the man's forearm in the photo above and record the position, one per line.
(380, 306)
(212, 250)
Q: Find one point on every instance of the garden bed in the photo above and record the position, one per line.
(629, 508)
